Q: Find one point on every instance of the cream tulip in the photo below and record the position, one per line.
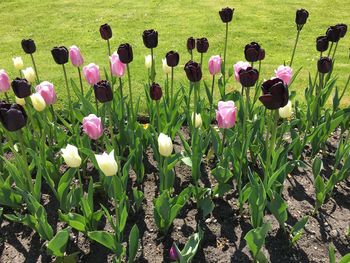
(148, 61)
(20, 101)
(107, 163)
(71, 156)
(29, 74)
(18, 63)
(38, 102)
(286, 111)
(197, 121)
(165, 145)
(166, 68)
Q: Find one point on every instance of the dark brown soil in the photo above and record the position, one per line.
(224, 229)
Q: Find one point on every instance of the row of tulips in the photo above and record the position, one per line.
(242, 135)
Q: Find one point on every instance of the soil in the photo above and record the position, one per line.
(225, 228)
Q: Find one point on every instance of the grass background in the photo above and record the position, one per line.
(76, 22)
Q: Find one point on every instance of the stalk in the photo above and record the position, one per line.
(7, 97)
(36, 72)
(225, 49)
(81, 81)
(172, 88)
(25, 160)
(271, 146)
(68, 92)
(295, 47)
(212, 98)
(158, 117)
(130, 92)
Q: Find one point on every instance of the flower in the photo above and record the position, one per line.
(191, 43)
(4, 81)
(251, 52)
(248, 77)
(28, 46)
(106, 31)
(71, 156)
(286, 111)
(193, 71)
(125, 53)
(103, 91)
(150, 38)
(284, 73)
(118, 68)
(197, 120)
(173, 254)
(18, 63)
(166, 68)
(38, 102)
(202, 45)
(107, 163)
(238, 66)
(214, 65)
(342, 28)
(275, 94)
(148, 61)
(261, 54)
(75, 56)
(226, 114)
(21, 88)
(324, 65)
(165, 145)
(47, 91)
(322, 43)
(20, 101)
(29, 74)
(226, 14)
(333, 34)
(12, 116)
(92, 73)
(60, 55)
(93, 127)
(155, 91)
(301, 16)
(172, 58)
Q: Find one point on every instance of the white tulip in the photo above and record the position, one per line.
(20, 101)
(286, 111)
(166, 68)
(165, 145)
(38, 102)
(107, 163)
(18, 63)
(198, 120)
(148, 61)
(29, 74)
(71, 156)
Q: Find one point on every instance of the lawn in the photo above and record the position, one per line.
(269, 22)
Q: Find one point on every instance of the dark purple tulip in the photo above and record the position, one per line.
(251, 52)
(150, 38)
(60, 55)
(202, 45)
(172, 58)
(193, 71)
(28, 46)
(261, 55)
(275, 94)
(226, 14)
(173, 254)
(191, 43)
(248, 77)
(103, 91)
(125, 53)
(322, 43)
(21, 88)
(343, 28)
(324, 65)
(333, 34)
(301, 17)
(12, 116)
(155, 91)
(106, 31)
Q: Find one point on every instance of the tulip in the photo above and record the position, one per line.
(261, 54)
(21, 88)
(226, 114)
(156, 91)
(107, 163)
(12, 116)
(165, 145)
(193, 71)
(28, 46)
(106, 31)
(286, 111)
(333, 34)
(148, 61)
(18, 63)
(71, 156)
(92, 126)
(342, 28)
(103, 91)
(248, 77)
(251, 52)
(92, 73)
(322, 43)
(60, 55)
(47, 91)
(118, 68)
(38, 102)
(214, 65)
(172, 58)
(125, 53)
(275, 94)
(20, 101)
(238, 66)
(324, 65)
(202, 45)
(284, 73)
(75, 56)
(197, 120)
(4, 81)
(166, 68)
(226, 14)
(150, 38)
(301, 17)
(191, 43)
(29, 74)
(173, 254)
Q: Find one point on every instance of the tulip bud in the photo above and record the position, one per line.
(29, 74)
(275, 94)
(92, 73)
(103, 91)
(197, 120)
(12, 116)
(38, 102)
(156, 91)
(125, 53)
(75, 56)
(342, 28)
(324, 65)
(284, 73)
(261, 54)
(322, 43)
(214, 65)
(166, 68)
(21, 88)
(301, 17)
(251, 52)
(248, 77)
(60, 55)
(193, 71)
(71, 156)
(226, 14)
(28, 46)
(333, 34)
(165, 145)
(191, 43)
(202, 45)
(20, 101)
(286, 111)
(173, 254)
(150, 38)
(106, 31)
(226, 114)
(18, 63)
(148, 61)
(238, 66)
(4, 81)
(118, 68)
(47, 91)
(107, 163)
(172, 58)
(92, 126)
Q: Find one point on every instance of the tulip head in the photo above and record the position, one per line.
(47, 91)
(191, 43)
(226, 114)
(92, 73)
(284, 73)
(92, 126)
(172, 58)
(12, 116)
(173, 254)
(248, 77)
(301, 16)
(322, 43)
(202, 45)
(28, 46)
(150, 38)
(38, 102)
(251, 52)
(261, 54)
(343, 28)
(226, 14)
(148, 61)
(75, 56)
(71, 156)
(125, 53)
(106, 31)
(60, 55)
(103, 91)
(18, 63)
(197, 120)
(29, 74)
(4, 81)
(286, 111)
(165, 145)
(275, 94)
(238, 66)
(166, 68)
(333, 34)
(214, 65)
(21, 88)
(155, 91)
(118, 67)
(107, 163)
(193, 71)
(324, 65)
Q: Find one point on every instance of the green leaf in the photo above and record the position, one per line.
(187, 161)
(278, 208)
(331, 253)
(104, 238)
(298, 229)
(317, 166)
(256, 238)
(57, 245)
(133, 243)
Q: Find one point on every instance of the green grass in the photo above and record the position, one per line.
(269, 22)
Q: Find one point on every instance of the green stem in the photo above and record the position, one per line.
(330, 49)
(20, 73)
(7, 97)
(111, 130)
(35, 69)
(130, 93)
(248, 102)
(81, 81)
(96, 104)
(25, 160)
(295, 47)
(212, 98)
(224, 67)
(68, 93)
(194, 105)
(191, 54)
(158, 117)
(271, 147)
(153, 67)
(172, 88)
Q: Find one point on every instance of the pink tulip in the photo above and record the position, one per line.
(238, 66)
(173, 254)
(214, 65)
(4, 81)
(92, 73)
(284, 73)
(92, 126)
(47, 91)
(75, 56)
(226, 114)
(118, 68)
